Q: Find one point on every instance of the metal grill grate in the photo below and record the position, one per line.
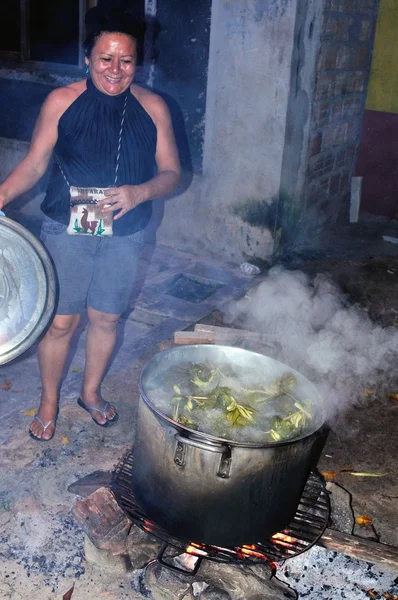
(307, 526)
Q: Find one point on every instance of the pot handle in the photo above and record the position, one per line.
(209, 446)
(224, 450)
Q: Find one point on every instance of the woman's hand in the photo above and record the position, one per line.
(123, 199)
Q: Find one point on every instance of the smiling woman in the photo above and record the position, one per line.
(113, 139)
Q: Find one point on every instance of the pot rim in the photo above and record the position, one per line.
(194, 434)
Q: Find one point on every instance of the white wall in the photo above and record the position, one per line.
(247, 96)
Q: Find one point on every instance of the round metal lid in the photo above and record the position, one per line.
(27, 289)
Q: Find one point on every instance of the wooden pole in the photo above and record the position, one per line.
(360, 548)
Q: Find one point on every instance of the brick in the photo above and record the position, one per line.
(321, 114)
(339, 160)
(335, 184)
(327, 57)
(334, 135)
(342, 83)
(357, 82)
(340, 5)
(336, 112)
(337, 29)
(352, 107)
(103, 521)
(368, 7)
(343, 58)
(360, 58)
(315, 166)
(350, 152)
(315, 144)
(352, 131)
(366, 30)
(324, 184)
(324, 86)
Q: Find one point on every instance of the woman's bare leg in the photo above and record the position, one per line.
(101, 340)
(53, 352)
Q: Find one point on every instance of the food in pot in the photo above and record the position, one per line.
(230, 402)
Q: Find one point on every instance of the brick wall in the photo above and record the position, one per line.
(340, 92)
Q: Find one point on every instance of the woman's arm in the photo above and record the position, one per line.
(127, 197)
(28, 172)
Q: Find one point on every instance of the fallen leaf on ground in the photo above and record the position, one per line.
(68, 594)
(368, 392)
(29, 413)
(393, 397)
(368, 474)
(328, 474)
(363, 521)
(77, 370)
(361, 474)
(65, 440)
(6, 385)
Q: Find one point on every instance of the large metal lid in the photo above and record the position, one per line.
(27, 289)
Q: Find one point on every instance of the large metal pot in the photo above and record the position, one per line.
(212, 490)
(27, 289)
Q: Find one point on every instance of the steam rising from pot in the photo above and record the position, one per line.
(335, 345)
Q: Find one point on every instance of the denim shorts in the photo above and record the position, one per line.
(98, 272)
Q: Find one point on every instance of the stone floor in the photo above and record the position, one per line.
(41, 548)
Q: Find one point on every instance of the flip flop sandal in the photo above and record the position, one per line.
(89, 409)
(44, 425)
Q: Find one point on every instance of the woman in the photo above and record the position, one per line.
(96, 127)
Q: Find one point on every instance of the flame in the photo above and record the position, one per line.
(195, 549)
(251, 550)
(150, 527)
(282, 539)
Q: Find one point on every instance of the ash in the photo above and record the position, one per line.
(52, 560)
(319, 574)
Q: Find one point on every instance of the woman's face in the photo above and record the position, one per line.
(112, 62)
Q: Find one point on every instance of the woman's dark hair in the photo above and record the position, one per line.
(107, 19)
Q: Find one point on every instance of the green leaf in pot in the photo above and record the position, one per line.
(201, 374)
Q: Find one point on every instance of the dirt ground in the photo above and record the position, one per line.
(41, 548)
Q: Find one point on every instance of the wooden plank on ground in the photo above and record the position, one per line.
(228, 331)
(210, 334)
(360, 548)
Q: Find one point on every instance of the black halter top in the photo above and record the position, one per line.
(86, 150)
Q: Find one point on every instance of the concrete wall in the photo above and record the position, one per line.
(306, 47)
(230, 210)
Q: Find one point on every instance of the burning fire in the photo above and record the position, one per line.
(195, 549)
(251, 551)
(280, 539)
(246, 551)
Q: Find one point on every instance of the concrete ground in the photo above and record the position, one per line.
(41, 548)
